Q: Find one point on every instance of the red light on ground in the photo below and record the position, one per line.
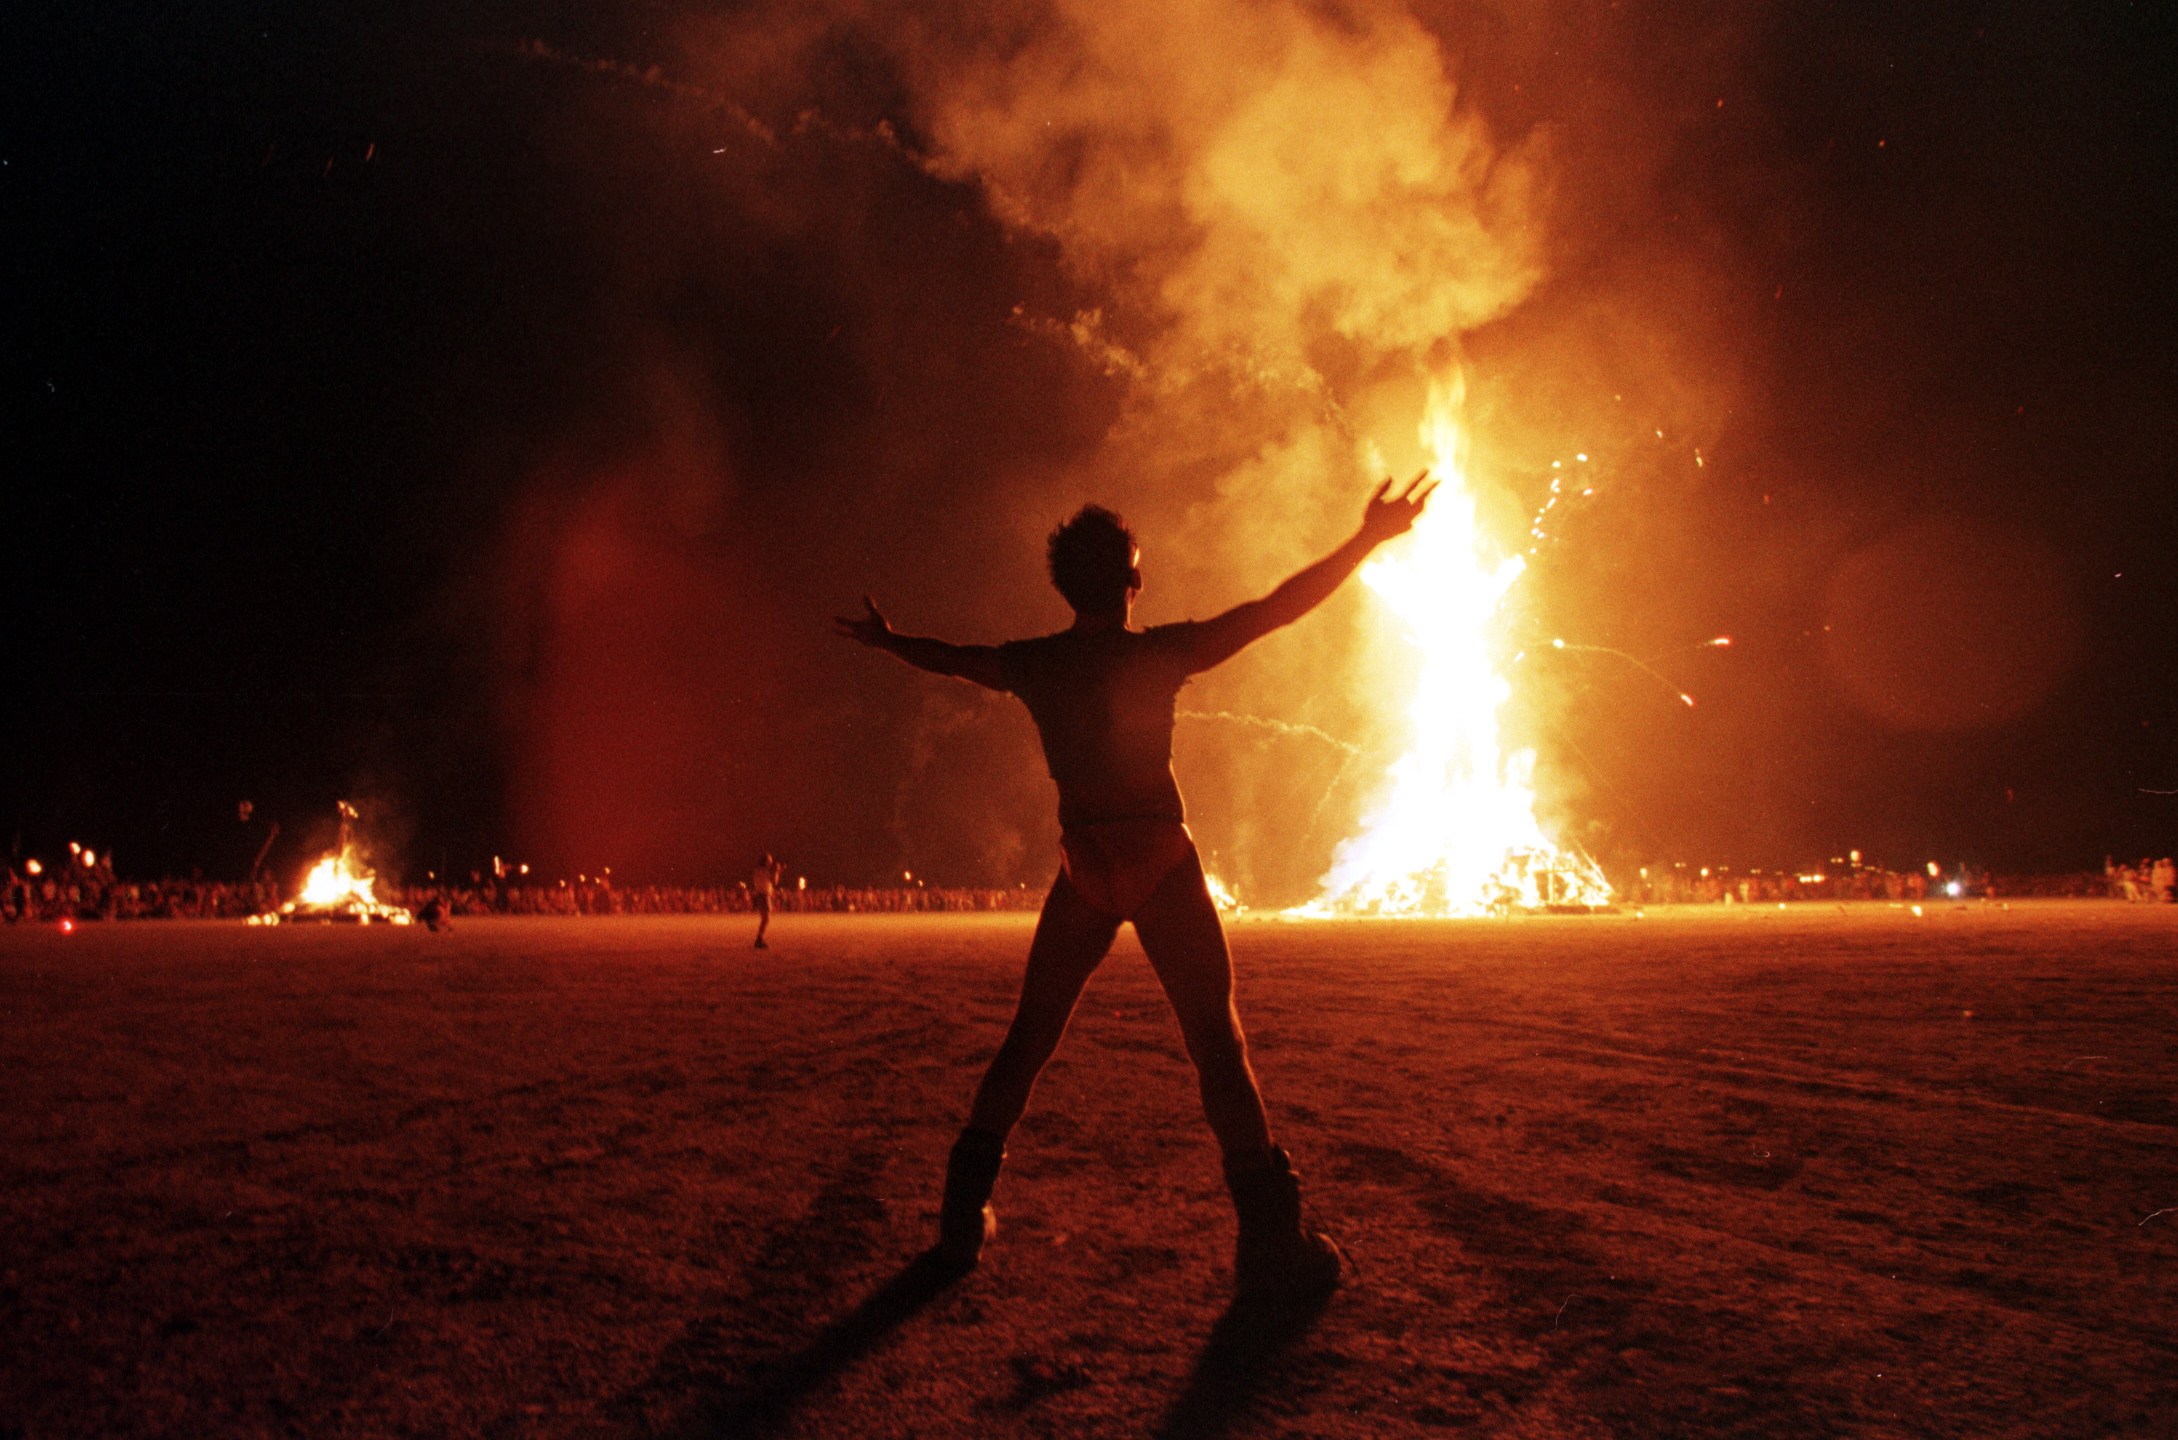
(68, 927)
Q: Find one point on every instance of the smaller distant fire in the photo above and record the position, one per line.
(338, 889)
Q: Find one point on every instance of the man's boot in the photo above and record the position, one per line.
(1275, 1259)
(966, 1219)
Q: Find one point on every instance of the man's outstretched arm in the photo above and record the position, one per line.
(1386, 516)
(967, 662)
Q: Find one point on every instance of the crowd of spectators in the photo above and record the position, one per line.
(2152, 882)
(1842, 880)
(488, 896)
(91, 891)
(1686, 885)
(86, 888)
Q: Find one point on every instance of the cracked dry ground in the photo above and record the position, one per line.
(1727, 1172)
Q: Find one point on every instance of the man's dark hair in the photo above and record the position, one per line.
(1092, 560)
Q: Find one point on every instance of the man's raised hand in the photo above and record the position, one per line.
(871, 628)
(1389, 515)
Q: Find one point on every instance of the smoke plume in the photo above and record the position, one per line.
(1284, 221)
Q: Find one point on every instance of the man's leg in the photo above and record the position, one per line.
(1185, 941)
(1071, 938)
(1275, 1259)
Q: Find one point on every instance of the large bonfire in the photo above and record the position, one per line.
(1455, 832)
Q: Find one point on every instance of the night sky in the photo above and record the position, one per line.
(482, 417)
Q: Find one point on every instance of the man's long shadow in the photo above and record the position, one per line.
(1237, 1363)
(768, 1399)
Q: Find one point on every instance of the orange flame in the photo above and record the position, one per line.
(1455, 832)
(340, 887)
(336, 880)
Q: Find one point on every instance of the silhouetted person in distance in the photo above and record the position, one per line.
(1101, 694)
(762, 882)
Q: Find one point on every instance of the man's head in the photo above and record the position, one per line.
(1092, 559)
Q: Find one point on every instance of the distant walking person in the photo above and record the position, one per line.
(1102, 696)
(762, 882)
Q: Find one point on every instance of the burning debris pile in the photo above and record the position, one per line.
(338, 890)
(1456, 832)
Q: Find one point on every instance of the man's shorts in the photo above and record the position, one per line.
(1116, 865)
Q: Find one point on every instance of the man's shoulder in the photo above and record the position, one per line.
(1181, 642)
(1036, 642)
(1064, 642)
(1032, 649)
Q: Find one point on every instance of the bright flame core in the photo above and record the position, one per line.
(1456, 832)
(336, 880)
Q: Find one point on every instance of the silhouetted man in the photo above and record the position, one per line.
(762, 881)
(1101, 694)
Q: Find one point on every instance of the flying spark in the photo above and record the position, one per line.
(1647, 666)
(1275, 727)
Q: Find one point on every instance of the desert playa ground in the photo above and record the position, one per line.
(1739, 1171)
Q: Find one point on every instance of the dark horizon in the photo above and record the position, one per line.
(482, 419)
